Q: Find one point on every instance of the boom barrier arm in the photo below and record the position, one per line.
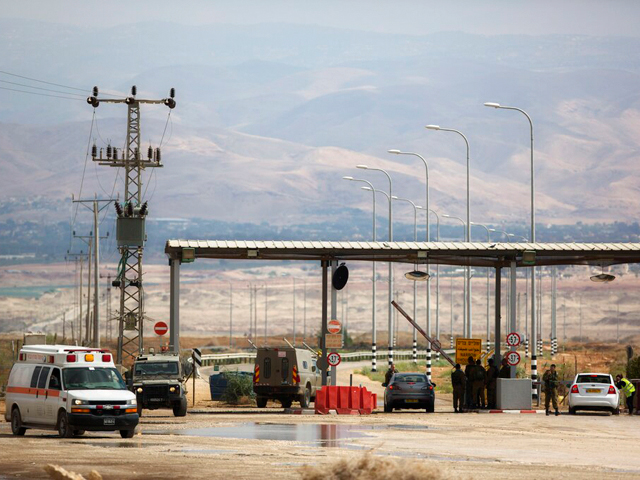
(435, 343)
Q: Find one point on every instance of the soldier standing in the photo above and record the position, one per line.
(389, 374)
(457, 382)
(492, 375)
(505, 369)
(550, 379)
(468, 373)
(479, 380)
(626, 387)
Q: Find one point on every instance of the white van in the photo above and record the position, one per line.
(68, 389)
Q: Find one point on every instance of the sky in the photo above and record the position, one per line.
(585, 17)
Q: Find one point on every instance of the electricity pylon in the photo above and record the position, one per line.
(130, 226)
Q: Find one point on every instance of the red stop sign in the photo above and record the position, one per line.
(160, 328)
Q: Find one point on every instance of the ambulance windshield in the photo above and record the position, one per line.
(92, 378)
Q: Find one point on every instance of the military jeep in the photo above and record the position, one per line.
(158, 382)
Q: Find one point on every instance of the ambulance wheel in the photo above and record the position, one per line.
(180, 408)
(261, 402)
(127, 433)
(286, 403)
(78, 433)
(305, 398)
(64, 429)
(16, 423)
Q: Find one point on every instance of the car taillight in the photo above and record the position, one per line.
(71, 358)
(394, 386)
(611, 390)
(574, 389)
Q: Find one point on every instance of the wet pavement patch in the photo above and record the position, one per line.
(132, 444)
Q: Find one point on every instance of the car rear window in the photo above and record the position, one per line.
(606, 379)
(406, 378)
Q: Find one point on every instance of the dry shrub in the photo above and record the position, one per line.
(58, 473)
(370, 467)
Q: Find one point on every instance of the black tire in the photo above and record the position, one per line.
(261, 402)
(64, 429)
(127, 433)
(388, 408)
(431, 407)
(305, 398)
(286, 402)
(615, 411)
(78, 433)
(16, 423)
(180, 408)
(572, 411)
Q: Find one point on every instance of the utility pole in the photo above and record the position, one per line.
(79, 258)
(294, 312)
(131, 216)
(554, 286)
(304, 317)
(230, 314)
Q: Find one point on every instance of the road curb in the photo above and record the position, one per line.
(511, 411)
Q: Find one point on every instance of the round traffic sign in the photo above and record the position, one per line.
(436, 344)
(334, 326)
(160, 328)
(333, 359)
(512, 358)
(513, 339)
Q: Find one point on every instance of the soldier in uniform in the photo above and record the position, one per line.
(479, 380)
(457, 382)
(468, 373)
(505, 369)
(492, 375)
(389, 374)
(550, 379)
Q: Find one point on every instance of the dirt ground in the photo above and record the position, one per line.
(243, 442)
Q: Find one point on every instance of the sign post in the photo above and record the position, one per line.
(196, 356)
(333, 339)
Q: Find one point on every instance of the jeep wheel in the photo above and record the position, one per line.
(305, 398)
(16, 423)
(180, 408)
(127, 433)
(286, 402)
(261, 402)
(64, 429)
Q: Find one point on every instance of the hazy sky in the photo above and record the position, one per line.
(592, 17)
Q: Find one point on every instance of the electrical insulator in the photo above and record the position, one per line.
(109, 151)
(158, 155)
(115, 153)
(119, 211)
(144, 209)
(134, 90)
(95, 91)
(94, 151)
(130, 209)
(172, 93)
(170, 102)
(150, 153)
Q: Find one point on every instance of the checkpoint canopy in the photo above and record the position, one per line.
(484, 254)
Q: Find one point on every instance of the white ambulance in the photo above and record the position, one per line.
(68, 389)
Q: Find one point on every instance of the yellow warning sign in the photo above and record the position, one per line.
(468, 347)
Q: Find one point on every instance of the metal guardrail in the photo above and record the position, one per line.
(249, 357)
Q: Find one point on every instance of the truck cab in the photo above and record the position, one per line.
(158, 382)
(286, 374)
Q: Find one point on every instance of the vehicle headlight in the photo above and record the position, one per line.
(172, 389)
(80, 402)
(134, 402)
(139, 390)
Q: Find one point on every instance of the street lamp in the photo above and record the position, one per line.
(390, 310)
(411, 275)
(426, 207)
(468, 223)
(534, 350)
(374, 359)
(437, 281)
(464, 303)
(488, 288)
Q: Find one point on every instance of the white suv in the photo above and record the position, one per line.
(594, 391)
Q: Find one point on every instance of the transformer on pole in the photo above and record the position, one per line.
(130, 224)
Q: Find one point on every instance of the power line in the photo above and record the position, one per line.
(41, 88)
(40, 94)
(54, 84)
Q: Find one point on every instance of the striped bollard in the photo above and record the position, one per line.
(526, 347)
(534, 377)
(390, 356)
(415, 351)
(429, 362)
(374, 360)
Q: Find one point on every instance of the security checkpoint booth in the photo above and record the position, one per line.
(498, 256)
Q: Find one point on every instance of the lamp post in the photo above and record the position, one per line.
(468, 224)
(415, 284)
(427, 209)
(534, 350)
(488, 289)
(465, 326)
(437, 282)
(230, 314)
(509, 293)
(374, 360)
(390, 310)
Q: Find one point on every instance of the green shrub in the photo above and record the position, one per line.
(239, 388)
(634, 368)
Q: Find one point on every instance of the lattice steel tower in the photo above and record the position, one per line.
(130, 231)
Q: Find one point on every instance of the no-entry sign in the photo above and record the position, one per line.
(334, 326)
(512, 358)
(333, 359)
(160, 328)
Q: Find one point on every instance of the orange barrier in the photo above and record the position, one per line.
(345, 400)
